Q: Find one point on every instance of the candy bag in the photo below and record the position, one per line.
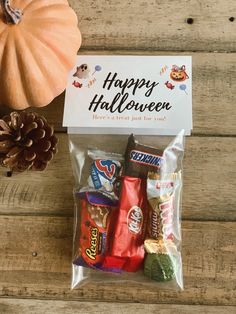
(127, 209)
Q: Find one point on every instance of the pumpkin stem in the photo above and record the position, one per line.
(12, 16)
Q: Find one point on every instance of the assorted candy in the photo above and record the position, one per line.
(103, 174)
(131, 228)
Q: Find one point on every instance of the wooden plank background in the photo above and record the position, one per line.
(67, 307)
(157, 24)
(36, 208)
(39, 264)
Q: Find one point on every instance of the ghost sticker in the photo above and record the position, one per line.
(82, 72)
(178, 74)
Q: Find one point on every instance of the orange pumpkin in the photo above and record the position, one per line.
(39, 40)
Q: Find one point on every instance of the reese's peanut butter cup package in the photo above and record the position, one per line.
(95, 211)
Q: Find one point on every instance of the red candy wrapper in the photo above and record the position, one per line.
(95, 209)
(127, 228)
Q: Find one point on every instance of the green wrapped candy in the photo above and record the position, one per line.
(159, 267)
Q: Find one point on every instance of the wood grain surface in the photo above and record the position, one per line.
(35, 254)
(214, 79)
(205, 195)
(19, 306)
(36, 209)
(157, 25)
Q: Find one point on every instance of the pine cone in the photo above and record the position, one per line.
(27, 141)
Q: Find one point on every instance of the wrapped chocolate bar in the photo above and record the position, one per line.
(139, 159)
(163, 260)
(128, 226)
(104, 172)
(163, 197)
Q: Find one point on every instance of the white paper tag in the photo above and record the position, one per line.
(124, 94)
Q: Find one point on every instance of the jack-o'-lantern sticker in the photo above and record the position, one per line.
(178, 74)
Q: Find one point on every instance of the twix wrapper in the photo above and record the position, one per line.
(161, 217)
(159, 242)
(161, 197)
